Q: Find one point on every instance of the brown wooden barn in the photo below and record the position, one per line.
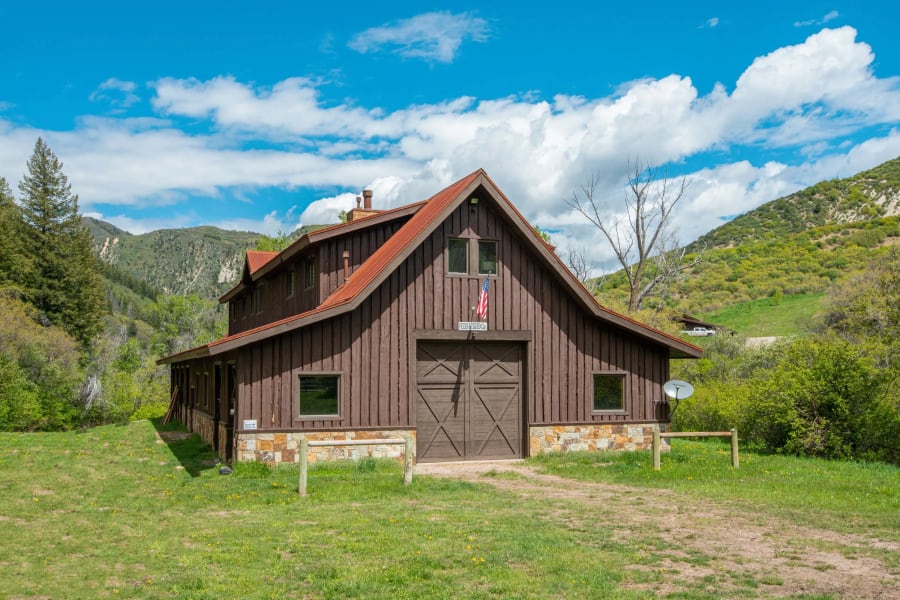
(370, 329)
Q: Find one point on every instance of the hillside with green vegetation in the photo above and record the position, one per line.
(202, 260)
(799, 245)
(862, 197)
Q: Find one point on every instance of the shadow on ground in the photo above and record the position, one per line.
(192, 453)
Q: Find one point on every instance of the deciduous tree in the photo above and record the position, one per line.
(642, 241)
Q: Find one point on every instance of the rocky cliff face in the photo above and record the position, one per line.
(203, 260)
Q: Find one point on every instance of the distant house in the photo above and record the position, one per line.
(690, 323)
(370, 329)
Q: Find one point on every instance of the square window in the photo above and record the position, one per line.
(609, 392)
(319, 395)
(458, 256)
(487, 258)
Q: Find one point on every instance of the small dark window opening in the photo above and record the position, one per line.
(289, 282)
(458, 256)
(309, 279)
(487, 258)
(319, 395)
(257, 299)
(609, 392)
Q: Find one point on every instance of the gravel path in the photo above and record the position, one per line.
(786, 558)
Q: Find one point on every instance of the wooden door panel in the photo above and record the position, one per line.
(468, 400)
(440, 363)
(495, 362)
(495, 430)
(440, 422)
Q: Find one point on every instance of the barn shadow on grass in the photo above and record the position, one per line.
(192, 453)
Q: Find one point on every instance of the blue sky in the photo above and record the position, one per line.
(263, 116)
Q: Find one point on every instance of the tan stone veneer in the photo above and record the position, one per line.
(605, 436)
(282, 447)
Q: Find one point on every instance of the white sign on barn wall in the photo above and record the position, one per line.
(471, 326)
(249, 424)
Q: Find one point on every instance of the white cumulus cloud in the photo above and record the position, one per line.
(803, 103)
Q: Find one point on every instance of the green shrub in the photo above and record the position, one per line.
(715, 406)
(818, 400)
(20, 403)
(150, 410)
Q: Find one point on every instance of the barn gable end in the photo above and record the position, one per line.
(388, 344)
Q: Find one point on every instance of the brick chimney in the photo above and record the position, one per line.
(366, 210)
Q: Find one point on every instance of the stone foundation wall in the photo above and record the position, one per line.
(605, 436)
(202, 424)
(283, 447)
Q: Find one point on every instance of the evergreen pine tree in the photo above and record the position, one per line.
(12, 262)
(64, 281)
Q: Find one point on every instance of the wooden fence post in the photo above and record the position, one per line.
(734, 449)
(656, 445)
(304, 450)
(407, 461)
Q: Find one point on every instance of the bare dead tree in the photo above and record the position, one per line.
(578, 263)
(642, 240)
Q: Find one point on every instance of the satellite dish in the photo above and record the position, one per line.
(677, 390)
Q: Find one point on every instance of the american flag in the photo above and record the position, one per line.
(483, 300)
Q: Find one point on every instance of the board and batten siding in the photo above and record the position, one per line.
(329, 259)
(373, 346)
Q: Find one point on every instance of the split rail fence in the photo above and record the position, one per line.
(305, 444)
(657, 437)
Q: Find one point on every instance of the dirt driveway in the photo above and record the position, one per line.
(707, 545)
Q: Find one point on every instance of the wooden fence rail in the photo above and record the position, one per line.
(304, 451)
(657, 436)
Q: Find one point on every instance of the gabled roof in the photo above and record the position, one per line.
(428, 216)
(316, 237)
(256, 259)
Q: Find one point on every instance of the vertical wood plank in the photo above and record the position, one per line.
(286, 397)
(385, 358)
(428, 279)
(361, 353)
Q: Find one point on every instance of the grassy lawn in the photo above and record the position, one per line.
(793, 315)
(859, 498)
(112, 512)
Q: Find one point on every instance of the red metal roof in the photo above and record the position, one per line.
(394, 246)
(371, 272)
(256, 259)
(375, 264)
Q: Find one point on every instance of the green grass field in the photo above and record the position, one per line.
(114, 512)
(792, 315)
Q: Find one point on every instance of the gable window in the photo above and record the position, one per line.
(458, 256)
(309, 276)
(320, 395)
(289, 283)
(487, 257)
(609, 392)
